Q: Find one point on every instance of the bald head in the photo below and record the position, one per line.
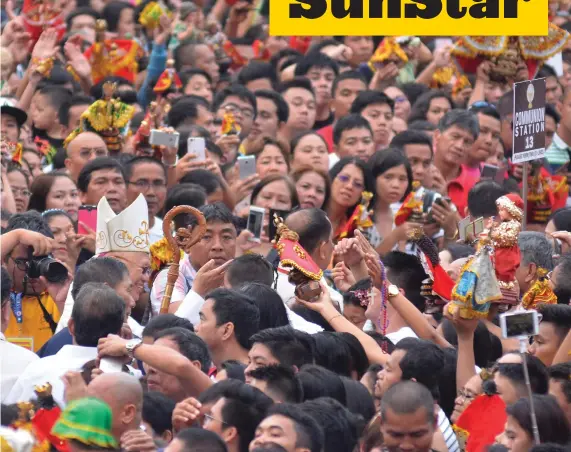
(83, 148)
(124, 394)
(314, 229)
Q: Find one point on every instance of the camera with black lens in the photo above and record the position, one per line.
(46, 266)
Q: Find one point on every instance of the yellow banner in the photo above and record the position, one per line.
(409, 17)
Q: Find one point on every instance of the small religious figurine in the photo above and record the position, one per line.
(360, 219)
(411, 208)
(540, 292)
(477, 285)
(229, 126)
(504, 237)
(169, 79)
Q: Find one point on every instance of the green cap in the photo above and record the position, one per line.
(87, 421)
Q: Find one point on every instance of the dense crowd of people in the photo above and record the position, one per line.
(349, 230)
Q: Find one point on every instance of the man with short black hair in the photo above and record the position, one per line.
(148, 177)
(417, 147)
(560, 386)
(321, 72)
(509, 377)
(97, 312)
(196, 440)
(409, 421)
(554, 326)
(249, 268)
(257, 75)
(202, 270)
(101, 177)
(241, 102)
(352, 137)
(227, 321)
(272, 115)
(457, 132)
(421, 361)
(561, 280)
(188, 111)
(378, 109)
(299, 432)
(487, 141)
(235, 416)
(278, 382)
(283, 345)
(71, 111)
(346, 87)
(300, 98)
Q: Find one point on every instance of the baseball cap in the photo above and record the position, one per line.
(8, 107)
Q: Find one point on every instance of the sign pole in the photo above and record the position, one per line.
(524, 194)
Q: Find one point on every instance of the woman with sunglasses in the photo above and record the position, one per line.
(402, 104)
(350, 177)
(392, 173)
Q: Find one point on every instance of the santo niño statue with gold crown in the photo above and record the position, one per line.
(489, 276)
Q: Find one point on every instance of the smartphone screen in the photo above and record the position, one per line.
(88, 216)
(255, 222)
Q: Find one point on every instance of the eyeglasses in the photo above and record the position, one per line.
(22, 191)
(400, 99)
(21, 264)
(346, 179)
(145, 184)
(210, 418)
(233, 108)
(145, 270)
(465, 394)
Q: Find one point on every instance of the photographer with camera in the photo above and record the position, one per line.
(40, 283)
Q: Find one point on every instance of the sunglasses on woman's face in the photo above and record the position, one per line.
(344, 179)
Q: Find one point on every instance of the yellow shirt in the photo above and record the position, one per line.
(33, 327)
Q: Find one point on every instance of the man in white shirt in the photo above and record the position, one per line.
(213, 256)
(13, 359)
(97, 312)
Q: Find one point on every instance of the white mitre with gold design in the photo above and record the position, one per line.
(127, 231)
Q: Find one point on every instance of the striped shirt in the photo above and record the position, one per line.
(447, 432)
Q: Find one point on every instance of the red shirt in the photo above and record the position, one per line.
(327, 134)
(458, 189)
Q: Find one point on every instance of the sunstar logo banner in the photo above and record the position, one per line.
(405, 17)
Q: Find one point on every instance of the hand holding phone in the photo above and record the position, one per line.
(196, 146)
(87, 215)
(256, 222)
(162, 138)
(246, 166)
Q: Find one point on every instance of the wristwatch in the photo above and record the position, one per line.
(132, 345)
(392, 290)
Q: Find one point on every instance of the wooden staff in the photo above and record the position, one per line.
(185, 238)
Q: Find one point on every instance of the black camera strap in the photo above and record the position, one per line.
(47, 316)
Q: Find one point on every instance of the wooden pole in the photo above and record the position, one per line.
(525, 189)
